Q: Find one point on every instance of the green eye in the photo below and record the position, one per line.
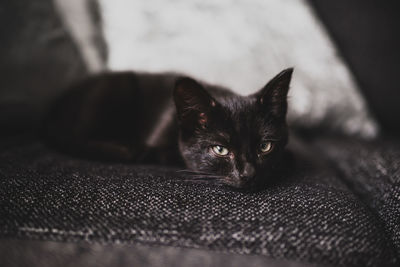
(220, 150)
(266, 147)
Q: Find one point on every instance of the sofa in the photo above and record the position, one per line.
(337, 205)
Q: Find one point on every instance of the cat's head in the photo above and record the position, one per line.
(235, 139)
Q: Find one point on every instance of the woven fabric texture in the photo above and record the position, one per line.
(372, 171)
(311, 216)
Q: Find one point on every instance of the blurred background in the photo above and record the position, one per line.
(345, 53)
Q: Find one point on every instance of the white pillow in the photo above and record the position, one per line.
(241, 44)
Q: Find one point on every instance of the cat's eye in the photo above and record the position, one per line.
(266, 147)
(220, 150)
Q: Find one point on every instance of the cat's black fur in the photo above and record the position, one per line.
(167, 119)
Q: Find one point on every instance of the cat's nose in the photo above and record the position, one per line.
(248, 171)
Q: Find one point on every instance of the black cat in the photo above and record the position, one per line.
(217, 134)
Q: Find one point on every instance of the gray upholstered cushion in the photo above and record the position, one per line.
(372, 171)
(82, 254)
(309, 216)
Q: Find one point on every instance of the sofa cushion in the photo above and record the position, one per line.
(310, 216)
(50, 254)
(372, 171)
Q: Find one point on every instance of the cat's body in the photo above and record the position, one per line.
(116, 116)
(164, 119)
(123, 116)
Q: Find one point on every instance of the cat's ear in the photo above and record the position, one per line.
(273, 97)
(193, 102)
